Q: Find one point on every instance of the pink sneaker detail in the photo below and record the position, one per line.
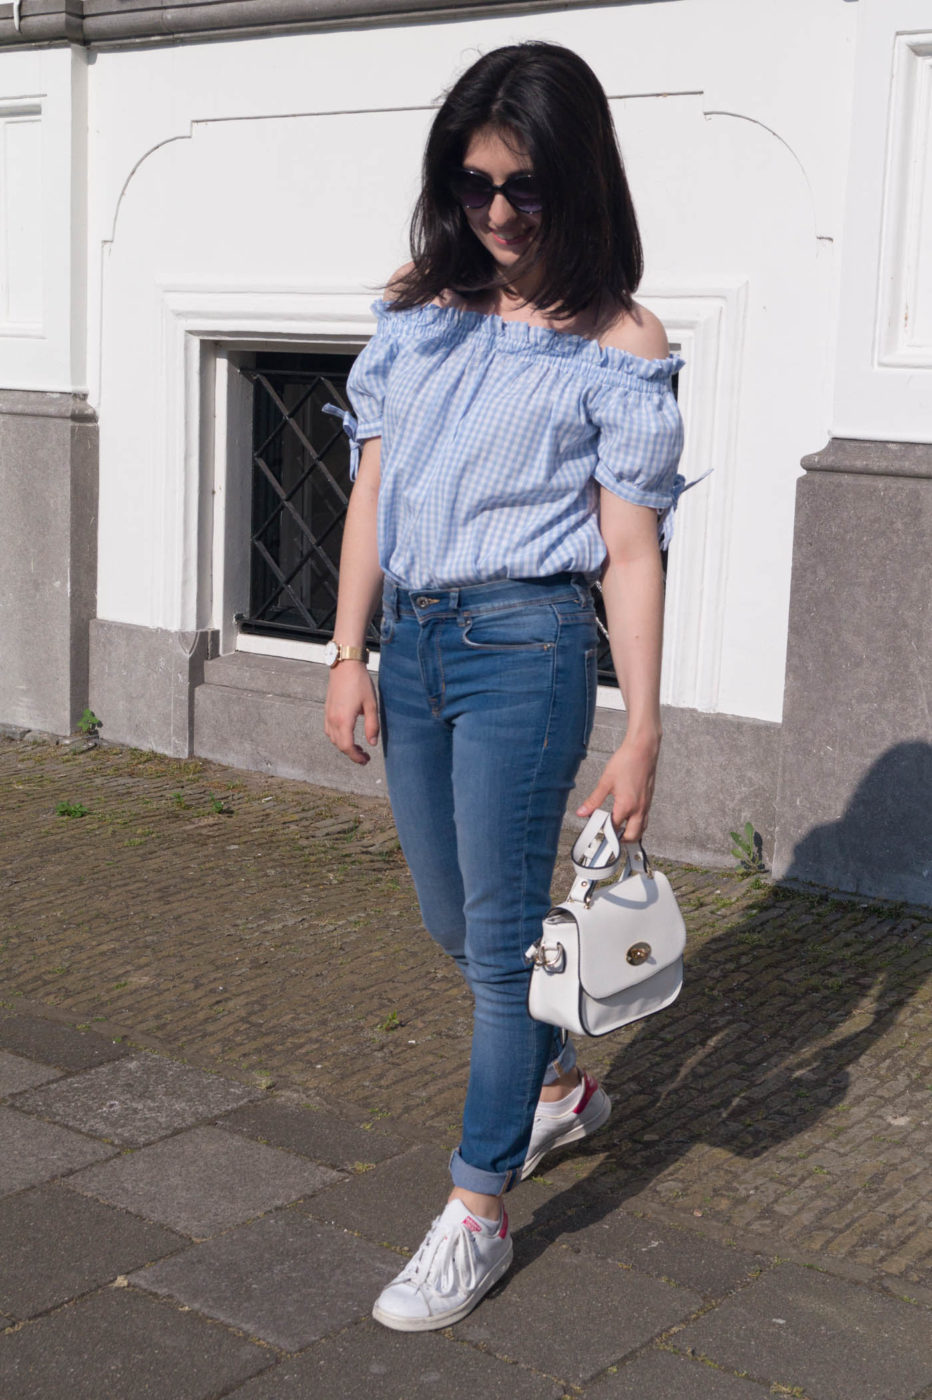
(589, 1088)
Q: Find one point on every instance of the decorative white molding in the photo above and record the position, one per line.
(191, 573)
(21, 214)
(706, 321)
(904, 311)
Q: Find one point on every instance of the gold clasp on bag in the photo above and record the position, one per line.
(638, 953)
(552, 959)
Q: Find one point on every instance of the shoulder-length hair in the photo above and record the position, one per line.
(588, 249)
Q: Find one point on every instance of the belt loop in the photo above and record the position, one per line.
(390, 600)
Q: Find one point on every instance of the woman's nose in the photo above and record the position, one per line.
(500, 211)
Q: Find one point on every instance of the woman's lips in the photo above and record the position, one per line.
(510, 242)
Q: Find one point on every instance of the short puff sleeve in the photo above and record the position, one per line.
(641, 437)
(366, 387)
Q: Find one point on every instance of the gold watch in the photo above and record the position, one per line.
(334, 654)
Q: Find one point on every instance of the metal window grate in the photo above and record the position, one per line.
(300, 490)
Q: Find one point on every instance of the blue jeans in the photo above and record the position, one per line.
(487, 694)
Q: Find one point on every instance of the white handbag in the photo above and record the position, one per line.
(612, 954)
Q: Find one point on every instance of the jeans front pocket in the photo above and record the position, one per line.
(519, 628)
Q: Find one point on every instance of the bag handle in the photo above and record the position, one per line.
(599, 854)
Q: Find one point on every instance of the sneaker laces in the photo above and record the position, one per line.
(445, 1262)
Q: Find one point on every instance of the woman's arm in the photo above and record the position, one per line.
(632, 587)
(350, 692)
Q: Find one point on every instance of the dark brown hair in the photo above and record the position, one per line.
(588, 248)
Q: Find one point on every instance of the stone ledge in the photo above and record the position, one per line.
(868, 458)
(38, 403)
(114, 21)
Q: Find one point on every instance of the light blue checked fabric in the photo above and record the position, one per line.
(495, 438)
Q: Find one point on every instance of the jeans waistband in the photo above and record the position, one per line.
(473, 597)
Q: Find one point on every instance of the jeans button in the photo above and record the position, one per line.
(420, 602)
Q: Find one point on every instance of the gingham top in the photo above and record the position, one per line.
(495, 438)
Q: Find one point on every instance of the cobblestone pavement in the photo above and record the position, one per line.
(268, 930)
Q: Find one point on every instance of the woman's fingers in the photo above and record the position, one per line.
(595, 799)
(629, 783)
(371, 718)
(348, 697)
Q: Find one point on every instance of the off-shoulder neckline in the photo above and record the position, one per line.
(522, 335)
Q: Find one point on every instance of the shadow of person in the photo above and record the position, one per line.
(883, 843)
(775, 1010)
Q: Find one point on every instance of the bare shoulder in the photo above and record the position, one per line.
(394, 284)
(639, 332)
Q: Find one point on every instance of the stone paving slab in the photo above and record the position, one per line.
(835, 1340)
(287, 1121)
(17, 1073)
(571, 1315)
(396, 1204)
(661, 1375)
(56, 1245)
(284, 1278)
(136, 1100)
(56, 1044)
(203, 1181)
(367, 1362)
(120, 1345)
(664, 1251)
(393, 1205)
(34, 1151)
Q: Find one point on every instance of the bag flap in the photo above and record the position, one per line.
(630, 931)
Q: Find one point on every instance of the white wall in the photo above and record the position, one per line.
(275, 175)
(42, 218)
(884, 382)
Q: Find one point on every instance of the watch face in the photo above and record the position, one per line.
(331, 652)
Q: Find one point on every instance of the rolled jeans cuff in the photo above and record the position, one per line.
(477, 1179)
(563, 1063)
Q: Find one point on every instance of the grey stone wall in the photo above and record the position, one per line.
(48, 557)
(854, 808)
(143, 681)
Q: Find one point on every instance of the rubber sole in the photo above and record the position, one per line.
(446, 1319)
(572, 1134)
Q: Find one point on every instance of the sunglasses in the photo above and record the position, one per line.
(475, 191)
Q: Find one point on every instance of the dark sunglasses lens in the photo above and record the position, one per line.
(523, 193)
(472, 191)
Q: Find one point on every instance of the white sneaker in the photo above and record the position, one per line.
(585, 1111)
(452, 1271)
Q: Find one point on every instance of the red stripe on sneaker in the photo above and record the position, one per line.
(504, 1230)
(589, 1088)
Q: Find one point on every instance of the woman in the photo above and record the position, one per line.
(518, 439)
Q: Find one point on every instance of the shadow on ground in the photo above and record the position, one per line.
(776, 1013)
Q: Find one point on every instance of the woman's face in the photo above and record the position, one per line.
(503, 230)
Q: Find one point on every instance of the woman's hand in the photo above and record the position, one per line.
(350, 693)
(628, 778)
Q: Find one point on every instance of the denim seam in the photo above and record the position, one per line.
(534, 782)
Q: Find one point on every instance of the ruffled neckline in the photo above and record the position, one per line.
(521, 336)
